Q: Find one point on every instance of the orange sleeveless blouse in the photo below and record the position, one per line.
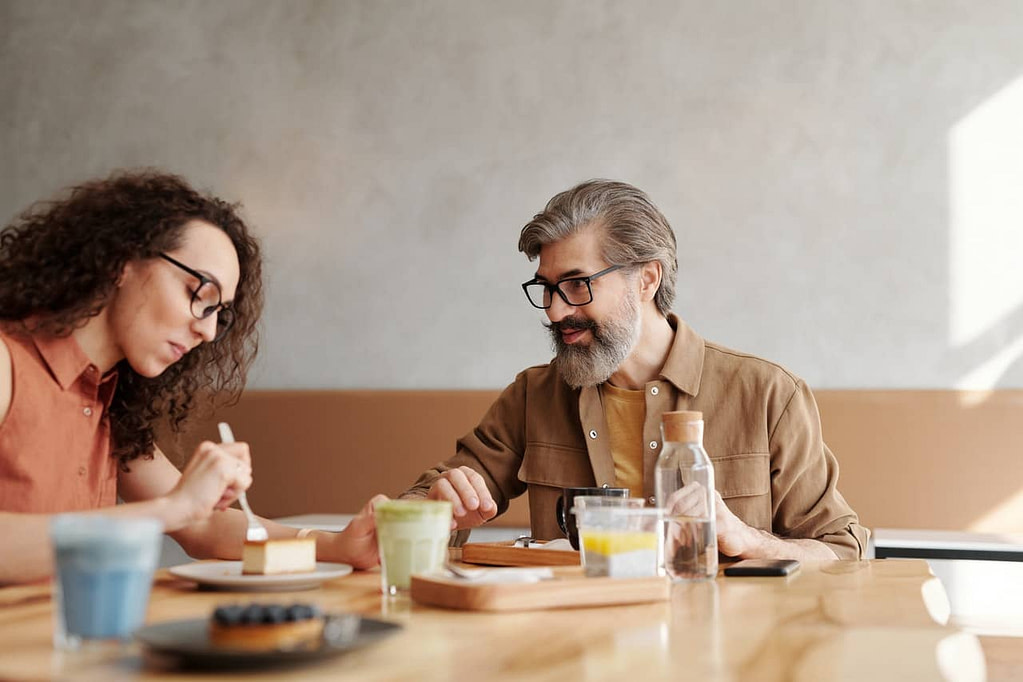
(55, 440)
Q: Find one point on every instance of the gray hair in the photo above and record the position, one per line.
(634, 230)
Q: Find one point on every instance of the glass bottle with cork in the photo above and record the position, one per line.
(684, 488)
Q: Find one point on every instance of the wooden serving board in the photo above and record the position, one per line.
(506, 554)
(563, 591)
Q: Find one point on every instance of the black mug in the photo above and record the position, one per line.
(563, 509)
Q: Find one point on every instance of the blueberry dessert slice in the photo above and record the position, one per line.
(267, 627)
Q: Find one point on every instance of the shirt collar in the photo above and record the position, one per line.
(64, 357)
(684, 365)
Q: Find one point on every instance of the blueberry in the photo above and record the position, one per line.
(275, 613)
(252, 614)
(228, 615)
(298, 612)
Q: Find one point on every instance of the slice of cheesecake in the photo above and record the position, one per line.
(272, 557)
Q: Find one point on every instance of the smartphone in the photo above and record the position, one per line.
(762, 567)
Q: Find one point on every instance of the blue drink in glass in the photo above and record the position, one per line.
(105, 571)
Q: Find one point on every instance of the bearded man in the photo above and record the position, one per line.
(591, 417)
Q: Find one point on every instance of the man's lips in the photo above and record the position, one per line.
(572, 335)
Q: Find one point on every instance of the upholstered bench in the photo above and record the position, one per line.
(943, 460)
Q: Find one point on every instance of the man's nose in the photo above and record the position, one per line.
(559, 310)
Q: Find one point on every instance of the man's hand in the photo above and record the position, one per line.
(471, 501)
(733, 534)
(735, 538)
(689, 500)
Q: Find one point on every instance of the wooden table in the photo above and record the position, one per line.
(871, 620)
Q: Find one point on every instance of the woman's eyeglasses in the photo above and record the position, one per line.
(206, 299)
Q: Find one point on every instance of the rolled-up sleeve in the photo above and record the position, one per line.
(494, 449)
(806, 502)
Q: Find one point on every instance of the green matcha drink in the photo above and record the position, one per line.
(413, 538)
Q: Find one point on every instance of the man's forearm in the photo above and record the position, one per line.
(760, 544)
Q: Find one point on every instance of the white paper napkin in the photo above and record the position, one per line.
(561, 543)
(505, 575)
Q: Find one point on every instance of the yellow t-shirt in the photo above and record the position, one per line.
(625, 411)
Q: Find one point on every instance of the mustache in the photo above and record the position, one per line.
(570, 324)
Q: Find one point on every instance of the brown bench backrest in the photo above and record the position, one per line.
(910, 459)
(948, 460)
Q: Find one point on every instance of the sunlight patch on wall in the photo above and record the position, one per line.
(1007, 517)
(986, 209)
(986, 374)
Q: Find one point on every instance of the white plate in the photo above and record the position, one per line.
(227, 575)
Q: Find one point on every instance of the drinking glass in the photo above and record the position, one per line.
(105, 571)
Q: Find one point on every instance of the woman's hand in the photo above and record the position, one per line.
(213, 479)
(357, 543)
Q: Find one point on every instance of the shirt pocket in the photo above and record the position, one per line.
(745, 475)
(546, 469)
(557, 466)
(744, 482)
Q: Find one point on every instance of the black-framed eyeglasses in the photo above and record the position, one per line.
(575, 291)
(207, 299)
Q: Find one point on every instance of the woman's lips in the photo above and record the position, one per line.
(178, 351)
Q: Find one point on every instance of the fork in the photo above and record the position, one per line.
(255, 532)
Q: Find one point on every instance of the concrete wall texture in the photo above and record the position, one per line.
(845, 178)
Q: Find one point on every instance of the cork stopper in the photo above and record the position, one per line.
(683, 427)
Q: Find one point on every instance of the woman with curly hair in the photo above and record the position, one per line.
(122, 305)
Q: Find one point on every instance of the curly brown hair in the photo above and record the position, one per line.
(60, 261)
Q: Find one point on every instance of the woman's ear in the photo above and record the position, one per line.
(649, 280)
(127, 272)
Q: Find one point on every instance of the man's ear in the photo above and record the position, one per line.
(649, 280)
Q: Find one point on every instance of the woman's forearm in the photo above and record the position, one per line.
(28, 551)
(222, 534)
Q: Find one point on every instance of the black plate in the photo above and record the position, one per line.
(188, 643)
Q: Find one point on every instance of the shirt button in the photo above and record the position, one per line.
(81, 471)
(87, 411)
(593, 434)
(653, 445)
(654, 390)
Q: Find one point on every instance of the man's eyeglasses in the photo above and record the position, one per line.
(574, 291)
(206, 299)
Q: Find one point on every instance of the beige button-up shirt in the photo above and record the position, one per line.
(762, 431)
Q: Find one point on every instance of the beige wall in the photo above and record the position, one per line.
(843, 176)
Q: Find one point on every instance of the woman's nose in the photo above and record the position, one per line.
(206, 327)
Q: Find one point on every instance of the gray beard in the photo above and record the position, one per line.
(612, 342)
